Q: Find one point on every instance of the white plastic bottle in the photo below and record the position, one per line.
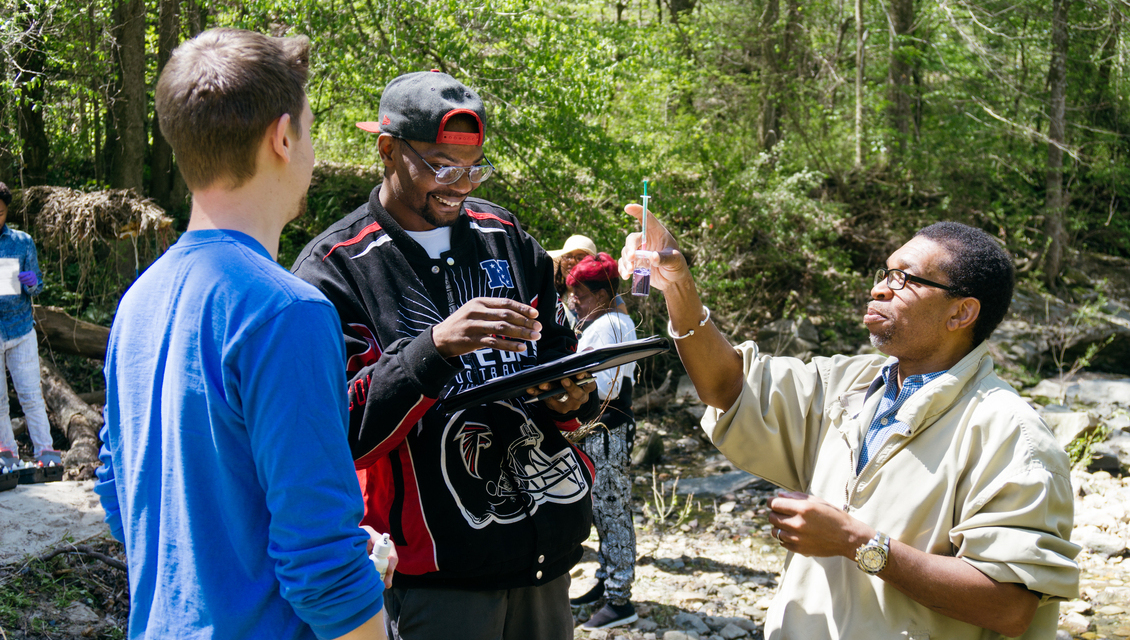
(379, 556)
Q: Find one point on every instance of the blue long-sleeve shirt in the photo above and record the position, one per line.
(15, 311)
(226, 468)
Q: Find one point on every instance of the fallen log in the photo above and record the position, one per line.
(61, 332)
(76, 419)
(655, 400)
(93, 397)
(19, 425)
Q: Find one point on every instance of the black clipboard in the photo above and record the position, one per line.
(591, 361)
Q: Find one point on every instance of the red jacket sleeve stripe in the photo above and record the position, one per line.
(374, 227)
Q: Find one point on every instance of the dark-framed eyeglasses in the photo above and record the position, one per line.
(897, 279)
(450, 175)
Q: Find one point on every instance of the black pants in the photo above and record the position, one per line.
(527, 613)
(610, 450)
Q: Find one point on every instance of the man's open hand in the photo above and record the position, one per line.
(494, 323)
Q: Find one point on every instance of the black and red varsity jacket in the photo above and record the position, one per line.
(493, 497)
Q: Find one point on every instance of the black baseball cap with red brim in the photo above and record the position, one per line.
(418, 106)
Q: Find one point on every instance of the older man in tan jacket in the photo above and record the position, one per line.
(924, 498)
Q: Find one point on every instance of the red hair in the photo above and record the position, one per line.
(595, 272)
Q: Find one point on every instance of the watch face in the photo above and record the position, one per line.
(872, 559)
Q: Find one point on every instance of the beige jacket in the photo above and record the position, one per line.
(979, 476)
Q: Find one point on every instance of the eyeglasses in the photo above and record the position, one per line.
(450, 175)
(897, 279)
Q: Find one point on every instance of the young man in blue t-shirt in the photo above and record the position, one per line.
(227, 473)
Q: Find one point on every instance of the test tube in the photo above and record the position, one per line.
(641, 272)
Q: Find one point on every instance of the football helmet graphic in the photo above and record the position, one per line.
(493, 481)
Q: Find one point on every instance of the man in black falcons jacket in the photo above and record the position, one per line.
(437, 293)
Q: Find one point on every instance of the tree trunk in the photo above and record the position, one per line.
(1057, 127)
(779, 44)
(768, 120)
(161, 170)
(196, 17)
(75, 419)
(791, 53)
(111, 143)
(96, 88)
(679, 7)
(129, 104)
(1105, 91)
(60, 332)
(30, 61)
(7, 140)
(901, 19)
(860, 40)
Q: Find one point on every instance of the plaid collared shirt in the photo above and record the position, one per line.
(885, 425)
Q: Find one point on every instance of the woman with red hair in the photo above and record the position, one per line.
(594, 282)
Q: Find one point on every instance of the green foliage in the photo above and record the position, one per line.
(664, 512)
(1067, 333)
(77, 82)
(1079, 449)
(741, 113)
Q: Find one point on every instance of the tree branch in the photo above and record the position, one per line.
(85, 551)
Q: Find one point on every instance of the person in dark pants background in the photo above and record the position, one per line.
(594, 282)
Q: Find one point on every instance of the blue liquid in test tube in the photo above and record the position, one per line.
(641, 273)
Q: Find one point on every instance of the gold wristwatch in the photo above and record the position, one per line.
(872, 557)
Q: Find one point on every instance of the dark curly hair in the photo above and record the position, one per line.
(5, 194)
(977, 267)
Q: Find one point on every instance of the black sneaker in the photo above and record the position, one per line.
(591, 596)
(611, 615)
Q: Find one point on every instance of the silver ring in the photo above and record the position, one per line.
(777, 534)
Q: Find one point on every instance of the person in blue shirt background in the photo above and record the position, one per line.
(19, 351)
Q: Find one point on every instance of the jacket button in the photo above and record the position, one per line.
(541, 559)
(538, 575)
(435, 269)
(451, 262)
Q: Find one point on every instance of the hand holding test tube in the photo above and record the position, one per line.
(658, 252)
(641, 274)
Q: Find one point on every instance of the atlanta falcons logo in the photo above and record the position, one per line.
(472, 437)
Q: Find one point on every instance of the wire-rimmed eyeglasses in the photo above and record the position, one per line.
(450, 175)
(897, 279)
